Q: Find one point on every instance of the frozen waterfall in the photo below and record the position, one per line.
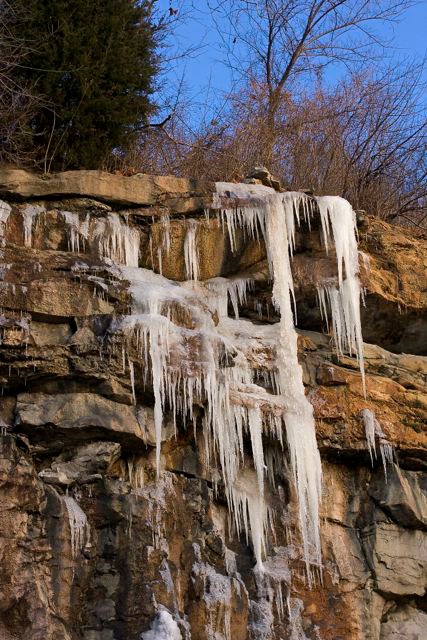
(192, 352)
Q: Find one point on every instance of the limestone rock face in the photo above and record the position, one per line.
(140, 189)
(99, 540)
(406, 622)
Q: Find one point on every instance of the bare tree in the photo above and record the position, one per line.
(17, 100)
(273, 42)
(365, 140)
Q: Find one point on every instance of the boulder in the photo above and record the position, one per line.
(403, 497)
(82, 464)
(404, 623)
(76, 416)
(397, 557)
(137, 190)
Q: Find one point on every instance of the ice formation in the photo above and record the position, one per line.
(164, 627)
(339, 223)
(247, 376)
(78, 524)
(373, 430)
(191, 253)
(5, 210)
(165, 244)
(29, 214)
(78, 231)
(295, 607)
(298, 412)
(228, 289)
(117, 240)
(249, 507)
(217, 594)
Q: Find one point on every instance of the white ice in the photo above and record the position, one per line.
(165, 243)
(5, 210)
(225, 290)
(29, 214)
(226, 363)
(117, 240)
(298, 415)
(217, 595)
(163, 627)
(78, 524)
(339, 225)
(77, 230)
(250, 511)
(191, 251)
(373, 430)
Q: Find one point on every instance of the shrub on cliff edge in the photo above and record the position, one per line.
(93, 62)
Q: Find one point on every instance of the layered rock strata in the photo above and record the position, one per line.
(95, 544)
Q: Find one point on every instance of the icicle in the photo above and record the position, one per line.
(191, 252)
(28, 214)
(366, 261)
(135, 468)
(255, 429)
(295, 607)
(166, 238)
(344, 309)
(293, 202)
(78, 524)
(77, 231)
(248, 214)
(165, 242)
(132, 379)
(157, 366)
(387, 453)
(117, 240)
(5, 210)
(337, 215)
(152, 335)
(372, 429)
(250, 512)
(299, 418)
(224, 290)
(370, 423)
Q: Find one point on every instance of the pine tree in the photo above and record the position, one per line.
(93, 63)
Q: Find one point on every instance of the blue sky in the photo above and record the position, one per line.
(204, 68)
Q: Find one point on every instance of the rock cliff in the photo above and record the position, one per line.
(105, 534)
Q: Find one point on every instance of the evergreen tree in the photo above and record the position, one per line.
(93, 62)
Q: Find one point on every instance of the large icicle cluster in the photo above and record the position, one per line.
(298, 413)
(342, 297)
(117, 240)
(247, 376)
(78, 231)
(225, 290)
(111, 235)
(29, 217)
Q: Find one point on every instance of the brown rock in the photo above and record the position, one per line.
(139, 189)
